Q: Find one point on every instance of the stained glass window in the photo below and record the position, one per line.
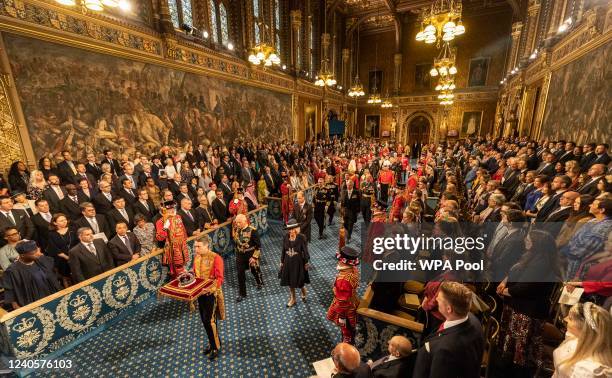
(276, 14)
(174, 14)
(224, 24)
(212, 7)
(187, 16)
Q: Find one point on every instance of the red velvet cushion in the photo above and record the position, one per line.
(187, 293)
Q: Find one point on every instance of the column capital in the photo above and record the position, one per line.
(296, 18)
(346, 54)
(397, 58)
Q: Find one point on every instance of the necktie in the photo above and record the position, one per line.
(108, 197)
(9, 215)
(92, 249)
(441, 327)
(59, 192)
(48, 217)
(73, 198)
(146, 205)
(124, 214)
(94, 225)
(127, 243)
(189, 214)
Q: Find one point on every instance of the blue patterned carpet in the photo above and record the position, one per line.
(260, 337)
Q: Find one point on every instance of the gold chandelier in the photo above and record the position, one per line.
(446, 97)
(263, 53)
(386, 103)
(374, 98)
(356, 90)
(446, 84)
(441, 22)
(325, 76)
(444, 64)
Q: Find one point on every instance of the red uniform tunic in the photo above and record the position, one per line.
(399, 202)
(286, 201)
(345, 302)
(175, 249)
(386, 177)
(238, 206)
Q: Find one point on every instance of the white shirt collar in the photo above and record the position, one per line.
(451, 323)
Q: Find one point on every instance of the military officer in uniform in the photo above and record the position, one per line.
(367, 188)
(321, 197)
(332, 197)
(248, 252)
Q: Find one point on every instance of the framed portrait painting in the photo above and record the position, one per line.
(422, 79)
(372, 125)
(470, 124)
(479, 69)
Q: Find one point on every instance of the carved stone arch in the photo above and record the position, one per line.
(409, 118)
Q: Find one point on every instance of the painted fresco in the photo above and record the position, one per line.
(79, 100)
(579, 98)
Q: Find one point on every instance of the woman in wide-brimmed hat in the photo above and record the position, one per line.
(294, 261)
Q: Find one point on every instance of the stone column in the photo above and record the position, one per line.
(296, 24)
(397, 72)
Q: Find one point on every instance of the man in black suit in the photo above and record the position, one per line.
(510, 180)
(66, 169)
(532, 159)
(130, 175)
(184, 193)
(41, 221)
(303, 214)
(399, 363)
(90, 257)
(127, 192)
(271, 184)
(456, 348)
(82, 174)
(174, 185)
(70, 205)
(54, 193)
(91, 219)
(246, 175)
(144, 206)
(226, 189)
(555, 220)
(200, 154)
(114, 164)
(120, 213)
(568, 152)
(190, 221)
(601, 155)
(588, 155)
(559, 185)
(350, 201)
(219, 207)
(226, 164)
(594, 173)
(103, 201)
(19, 219)
(124, 246)
(92, 167)
(548, 165)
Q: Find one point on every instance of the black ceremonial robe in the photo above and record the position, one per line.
(25, 284)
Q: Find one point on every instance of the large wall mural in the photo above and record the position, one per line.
(579, 97)
(80, 100)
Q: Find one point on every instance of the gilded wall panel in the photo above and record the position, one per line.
(9, 136)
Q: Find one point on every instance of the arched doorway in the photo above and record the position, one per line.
(418, 129)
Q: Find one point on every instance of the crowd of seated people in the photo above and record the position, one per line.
(547, 205)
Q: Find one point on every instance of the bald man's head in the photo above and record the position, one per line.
(400, 346)
(241, 220)
(346, 358)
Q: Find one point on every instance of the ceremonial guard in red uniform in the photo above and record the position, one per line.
(386, 180)
(343, 309)
(170, 229)
(399, 202)
(209, 266)
(286, 200)
(238, 205)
